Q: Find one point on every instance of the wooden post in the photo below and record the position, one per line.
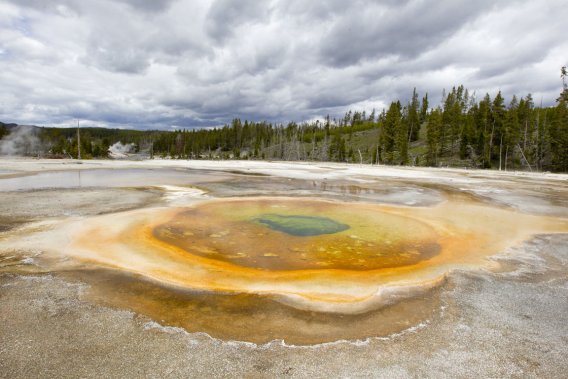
(78, 141)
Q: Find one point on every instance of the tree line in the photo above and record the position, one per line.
(461, 131)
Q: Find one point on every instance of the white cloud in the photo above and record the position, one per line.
(154, 64)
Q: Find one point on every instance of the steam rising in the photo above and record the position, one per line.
(120, 150)
(22, 140)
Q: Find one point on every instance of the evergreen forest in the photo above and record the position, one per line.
(461, 131)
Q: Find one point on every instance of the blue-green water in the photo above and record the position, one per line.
(301, 226)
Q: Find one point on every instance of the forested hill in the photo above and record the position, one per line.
(462, 131)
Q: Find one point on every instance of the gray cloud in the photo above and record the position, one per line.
(182, 63)
(148, 5)
(224, 16)
(399, 28)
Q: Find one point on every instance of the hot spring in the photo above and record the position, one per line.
(304, 270)
(289, 234)
(275, 259)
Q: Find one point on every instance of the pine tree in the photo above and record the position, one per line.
(559, 129)
(511, 132)
(388, 138)
(497, 125)
(433, 136)
(424, 109)
(413, 117)
(402, 136)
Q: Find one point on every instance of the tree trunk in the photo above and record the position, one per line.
(525, 139)
(537, 138)
(491, 142)
(525, 158)
(500, 151)
(378, 160)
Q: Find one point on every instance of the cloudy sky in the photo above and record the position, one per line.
(193, 63)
